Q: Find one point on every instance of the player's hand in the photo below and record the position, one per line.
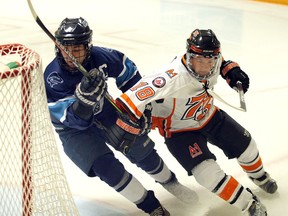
(140, 127)
(91, 90)
(128, 125)
(145, 121)
(123, 133)
(233, 73)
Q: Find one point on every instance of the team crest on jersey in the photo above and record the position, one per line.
(54, 78)
(198, 106)
(159, 82)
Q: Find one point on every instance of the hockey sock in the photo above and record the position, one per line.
(155, 167)
(251, 162)
(209, 174)
(111, 170)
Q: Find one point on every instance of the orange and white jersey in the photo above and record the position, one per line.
(180, 102)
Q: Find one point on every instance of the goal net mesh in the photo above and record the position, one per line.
(32, 179)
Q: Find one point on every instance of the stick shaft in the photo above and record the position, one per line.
(216, 96)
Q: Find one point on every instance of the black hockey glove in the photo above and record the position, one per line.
(145, 121)
(91, 90)
(123, 134)
(232, 73)
(140, 127)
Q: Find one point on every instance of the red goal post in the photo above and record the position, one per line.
(32, 178)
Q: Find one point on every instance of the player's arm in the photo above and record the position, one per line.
(123, 133)
(89, 94)
(120, 67)
(148, 89)
(77, 111)
(136, 107)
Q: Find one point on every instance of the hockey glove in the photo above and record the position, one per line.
(232, 73)
(145, 121)
(91, 90)
(122, 135)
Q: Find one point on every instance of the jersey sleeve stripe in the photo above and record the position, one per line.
(129, 103)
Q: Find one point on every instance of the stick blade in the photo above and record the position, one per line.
(241, 96)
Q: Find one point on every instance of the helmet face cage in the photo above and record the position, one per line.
(73, 31)
(202, 43)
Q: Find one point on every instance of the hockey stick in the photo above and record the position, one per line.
(62, 48)
(241, 96)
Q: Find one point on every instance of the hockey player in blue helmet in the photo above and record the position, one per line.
(73, 32)
(85, 120)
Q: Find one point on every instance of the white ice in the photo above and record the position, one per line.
(151, 33)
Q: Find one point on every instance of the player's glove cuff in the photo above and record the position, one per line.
(82, 110)
(130, 127)
(226, 67)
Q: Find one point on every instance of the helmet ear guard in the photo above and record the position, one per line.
(73, 31)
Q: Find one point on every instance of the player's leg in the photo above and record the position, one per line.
(88, 150)
(209, 174)
(191, 151)
(251, 163)
(236, 142)
(112, 171)
(143, 154)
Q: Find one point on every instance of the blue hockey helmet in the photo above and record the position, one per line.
(73, 31)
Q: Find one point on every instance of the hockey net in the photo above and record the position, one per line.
(32, 179)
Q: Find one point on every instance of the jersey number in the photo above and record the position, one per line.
(145, 93)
